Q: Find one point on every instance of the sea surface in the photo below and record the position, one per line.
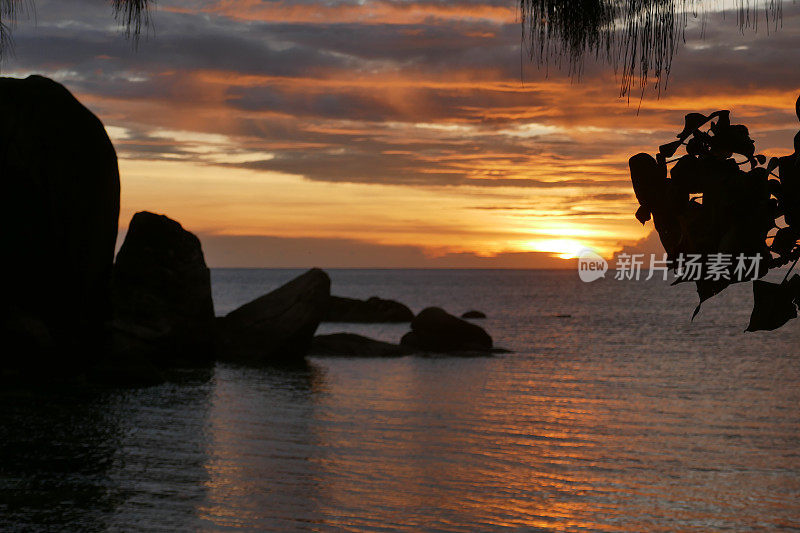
(613, 413)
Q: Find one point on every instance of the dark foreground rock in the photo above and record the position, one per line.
(161, 295)
(352, 345)
(373, 310)
(473, 314)
(277, 327)
(58, 227)
(436, 330)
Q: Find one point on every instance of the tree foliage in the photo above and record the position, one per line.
(721, 197)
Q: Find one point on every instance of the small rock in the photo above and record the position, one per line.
(374, 310)
(436, 330)
(473, 314)
(352, 345)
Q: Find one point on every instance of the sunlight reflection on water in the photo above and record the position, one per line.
(624, 417)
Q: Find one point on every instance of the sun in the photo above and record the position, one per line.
(563, 248)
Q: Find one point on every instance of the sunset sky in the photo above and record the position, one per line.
(388, 133)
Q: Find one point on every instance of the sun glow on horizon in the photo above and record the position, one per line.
(562, 248)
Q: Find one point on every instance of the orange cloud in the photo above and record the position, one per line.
(395, 124)
(374, 12)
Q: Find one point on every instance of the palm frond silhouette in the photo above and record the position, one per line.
(637, 37)
(133, 15)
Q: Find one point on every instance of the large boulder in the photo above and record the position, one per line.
(373, 310)
(352, 345)
(58, 224)
(162, 294)
(436, 330)
(277, 327)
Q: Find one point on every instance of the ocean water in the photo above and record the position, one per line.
(622, 416)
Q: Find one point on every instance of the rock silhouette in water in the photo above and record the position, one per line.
(352, 345)
(58, 227)
(436, 330)
(162, 294)
(277, 327)
(473, 314)
(373, 310)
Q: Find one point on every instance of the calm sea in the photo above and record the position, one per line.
(622, 416)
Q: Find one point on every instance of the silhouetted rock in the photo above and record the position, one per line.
(373, 310)
(58, 225)
(277, 327)
(126, 369)
(30, 350)
(473, 314)
(162, 294)
(352, 345)
(436, 330)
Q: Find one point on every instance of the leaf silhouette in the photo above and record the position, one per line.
(797, 107)
(794, 289)
(785, 241)
(649, 180)
(699, 175)
(707, 205)
(775, 188)
(669, 149)
(656, 195)
(789, 170)
(773, 164)
(773, 306)
(692, 122)
(697, 146)
(734, 139)
(643, 215)
(724, 118)
(706, 289)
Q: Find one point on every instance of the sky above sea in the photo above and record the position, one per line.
(375, 133)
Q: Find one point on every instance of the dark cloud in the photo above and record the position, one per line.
(341, 101)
